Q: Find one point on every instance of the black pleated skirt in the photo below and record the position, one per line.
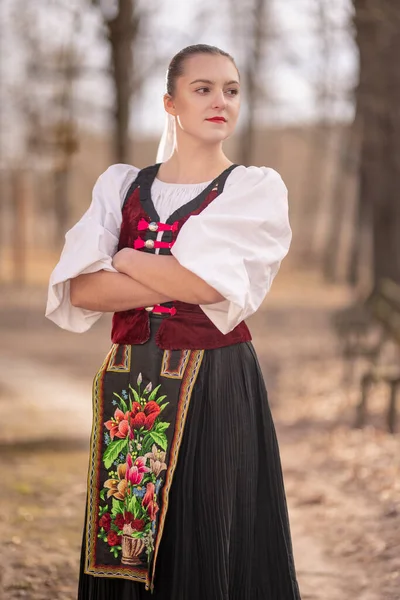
(226, 534)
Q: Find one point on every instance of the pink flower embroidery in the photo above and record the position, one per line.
(149, 501)
(135, 471)
(157, 460)
(118, 425)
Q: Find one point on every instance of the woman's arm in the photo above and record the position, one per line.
(112, 292)
(165, 275)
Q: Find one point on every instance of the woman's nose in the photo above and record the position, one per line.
(219, 100)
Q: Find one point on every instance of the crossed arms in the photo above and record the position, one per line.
(142, 280)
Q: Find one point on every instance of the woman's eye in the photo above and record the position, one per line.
(206, 90)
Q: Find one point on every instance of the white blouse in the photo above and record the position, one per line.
(236, 244)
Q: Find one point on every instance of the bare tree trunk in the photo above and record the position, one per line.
(251, 74)
(19, 228)
(340, 197)
(315, 192)
(365, 92)
(387, 211)
(378, 35)
(61, 202)
(122, 31)
(362, 225)
(66, 140)
(249, 22)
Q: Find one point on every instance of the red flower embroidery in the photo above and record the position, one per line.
(119, 521)
(128, 517)
(149, 501)
(138, 524)
(113, 539)
(118, 425)
(144, 417)
(105, 522)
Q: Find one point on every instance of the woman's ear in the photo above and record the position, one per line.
(169, 105)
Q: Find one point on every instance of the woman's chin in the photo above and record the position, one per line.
(216, 138)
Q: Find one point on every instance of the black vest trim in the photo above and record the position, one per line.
(144, 180)
(194, 204)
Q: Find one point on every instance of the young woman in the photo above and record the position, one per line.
(185, 493)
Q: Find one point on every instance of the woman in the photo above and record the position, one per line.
(185, 496)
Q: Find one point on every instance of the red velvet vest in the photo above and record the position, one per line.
(187, 327)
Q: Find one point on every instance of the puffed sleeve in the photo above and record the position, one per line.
(89, 247)
(238, 242)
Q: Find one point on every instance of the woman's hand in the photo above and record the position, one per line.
(123, 260)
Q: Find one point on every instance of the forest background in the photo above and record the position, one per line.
(81, 85)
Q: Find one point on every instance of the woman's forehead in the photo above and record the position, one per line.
(209, 68)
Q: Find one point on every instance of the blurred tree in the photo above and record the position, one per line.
(44, 113)
(319, 198)
(378, 37)
(250, 25)
(63, 134)
(342, 194)
(122, 20)
(51, 115)
(325, 193)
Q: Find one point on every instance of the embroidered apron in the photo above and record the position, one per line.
(141, 397)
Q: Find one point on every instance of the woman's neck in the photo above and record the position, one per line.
(195, 164)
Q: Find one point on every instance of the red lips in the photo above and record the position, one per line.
(217, 120)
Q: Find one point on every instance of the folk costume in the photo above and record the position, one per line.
(185, 493)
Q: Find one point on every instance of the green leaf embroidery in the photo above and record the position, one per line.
(147, 444)
(161, 426)
(159, 439)
(113, 451)
(163, 406)
(160, 399)
(103, 496)
(122, 402)
(135, 394)
(154, 393)
(117, 507)
(134, 506)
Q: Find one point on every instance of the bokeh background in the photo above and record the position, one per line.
(81, 88)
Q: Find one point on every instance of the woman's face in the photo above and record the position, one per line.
(206, 100)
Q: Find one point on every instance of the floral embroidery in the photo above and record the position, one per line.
(136, 443)
(118, 425)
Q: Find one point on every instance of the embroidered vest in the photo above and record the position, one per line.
(187, 326)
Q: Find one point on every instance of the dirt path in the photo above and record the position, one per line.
(342, 484)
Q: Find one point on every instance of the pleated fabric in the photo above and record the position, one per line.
(226, 533)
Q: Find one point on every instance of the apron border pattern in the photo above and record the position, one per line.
(125, 365)
(178, 372)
